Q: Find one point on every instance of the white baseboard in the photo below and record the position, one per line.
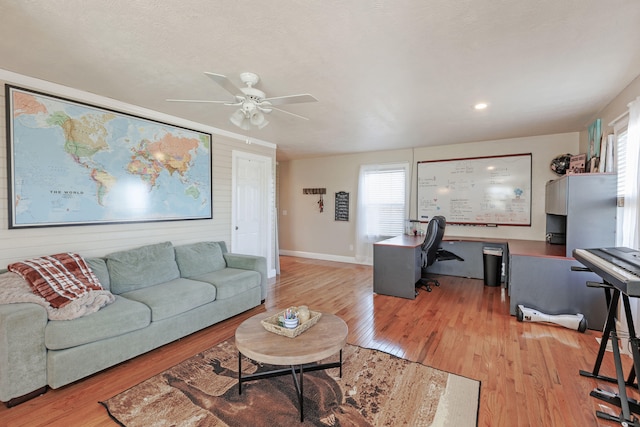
(324, 257)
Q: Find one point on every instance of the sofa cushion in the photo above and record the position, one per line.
(172, 298)
(141, 267)
(99, 268)
(118, 318)
(199, 258)
(230, 282)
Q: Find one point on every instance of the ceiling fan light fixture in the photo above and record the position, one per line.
(256, 118)
(238, 118)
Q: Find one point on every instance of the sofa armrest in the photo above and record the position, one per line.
(250, 262)
(23, 356)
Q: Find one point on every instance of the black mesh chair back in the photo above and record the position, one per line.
(431, 251)
(432, 240)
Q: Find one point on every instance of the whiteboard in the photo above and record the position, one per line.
(492, 190)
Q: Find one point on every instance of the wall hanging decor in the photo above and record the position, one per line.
(595, 137)
(71, 163)
(314, 191)
(342, 206)
(319, 191)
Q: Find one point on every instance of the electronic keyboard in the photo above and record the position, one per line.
(620, 267)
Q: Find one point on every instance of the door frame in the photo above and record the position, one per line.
(267, 189)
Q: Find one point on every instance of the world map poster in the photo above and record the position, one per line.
(71, 163)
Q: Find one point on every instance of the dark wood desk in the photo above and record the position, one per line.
(536, 248)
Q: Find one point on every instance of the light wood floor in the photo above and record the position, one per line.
(528, 371)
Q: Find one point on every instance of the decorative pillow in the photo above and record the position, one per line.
(200, 258)
(142, 267)
(59, 278)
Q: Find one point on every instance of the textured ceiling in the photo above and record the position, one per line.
(387, 74)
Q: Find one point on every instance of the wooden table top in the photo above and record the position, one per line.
(403, 240)
(324, 339)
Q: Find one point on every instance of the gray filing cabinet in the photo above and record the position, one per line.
(583, 207)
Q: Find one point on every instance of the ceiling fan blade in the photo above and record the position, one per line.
(225, 83)
(202, 100)
(291, 99)
(288, 112)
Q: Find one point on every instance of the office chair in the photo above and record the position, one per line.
(432, 252)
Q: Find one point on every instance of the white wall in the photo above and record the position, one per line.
(96, 240)
(614, 109)
(304, 231)
(542, 148)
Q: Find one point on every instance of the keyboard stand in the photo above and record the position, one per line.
(609, 326)
(621, 400)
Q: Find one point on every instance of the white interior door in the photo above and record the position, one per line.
(252, 187)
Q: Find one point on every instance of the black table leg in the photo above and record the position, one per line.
(293, 370)
(239, 373)
(301, 397)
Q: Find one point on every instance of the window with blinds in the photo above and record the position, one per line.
(385, 199)
(621, 147)
(621, 166)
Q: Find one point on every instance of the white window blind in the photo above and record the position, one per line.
(621, 169)
(385, 200)
(621, 147)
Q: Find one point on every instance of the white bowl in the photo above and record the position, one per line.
(291, 323)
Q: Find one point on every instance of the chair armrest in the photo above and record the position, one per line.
(250, 262)
(444, 255)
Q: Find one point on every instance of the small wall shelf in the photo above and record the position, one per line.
(314, 191)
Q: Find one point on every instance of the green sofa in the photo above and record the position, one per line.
(162, 293)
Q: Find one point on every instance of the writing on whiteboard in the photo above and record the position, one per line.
(492, 190)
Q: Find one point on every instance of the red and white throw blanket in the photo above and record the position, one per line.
(59, 279)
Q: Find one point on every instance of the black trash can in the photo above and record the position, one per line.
(492, 258)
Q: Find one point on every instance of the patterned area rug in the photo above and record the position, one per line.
(376, 389)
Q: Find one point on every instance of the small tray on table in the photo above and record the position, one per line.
(271, 324)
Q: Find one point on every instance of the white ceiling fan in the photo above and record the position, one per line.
(253, 103)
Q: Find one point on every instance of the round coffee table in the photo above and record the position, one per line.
(322, 340)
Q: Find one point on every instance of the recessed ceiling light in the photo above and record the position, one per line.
(481, 106)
